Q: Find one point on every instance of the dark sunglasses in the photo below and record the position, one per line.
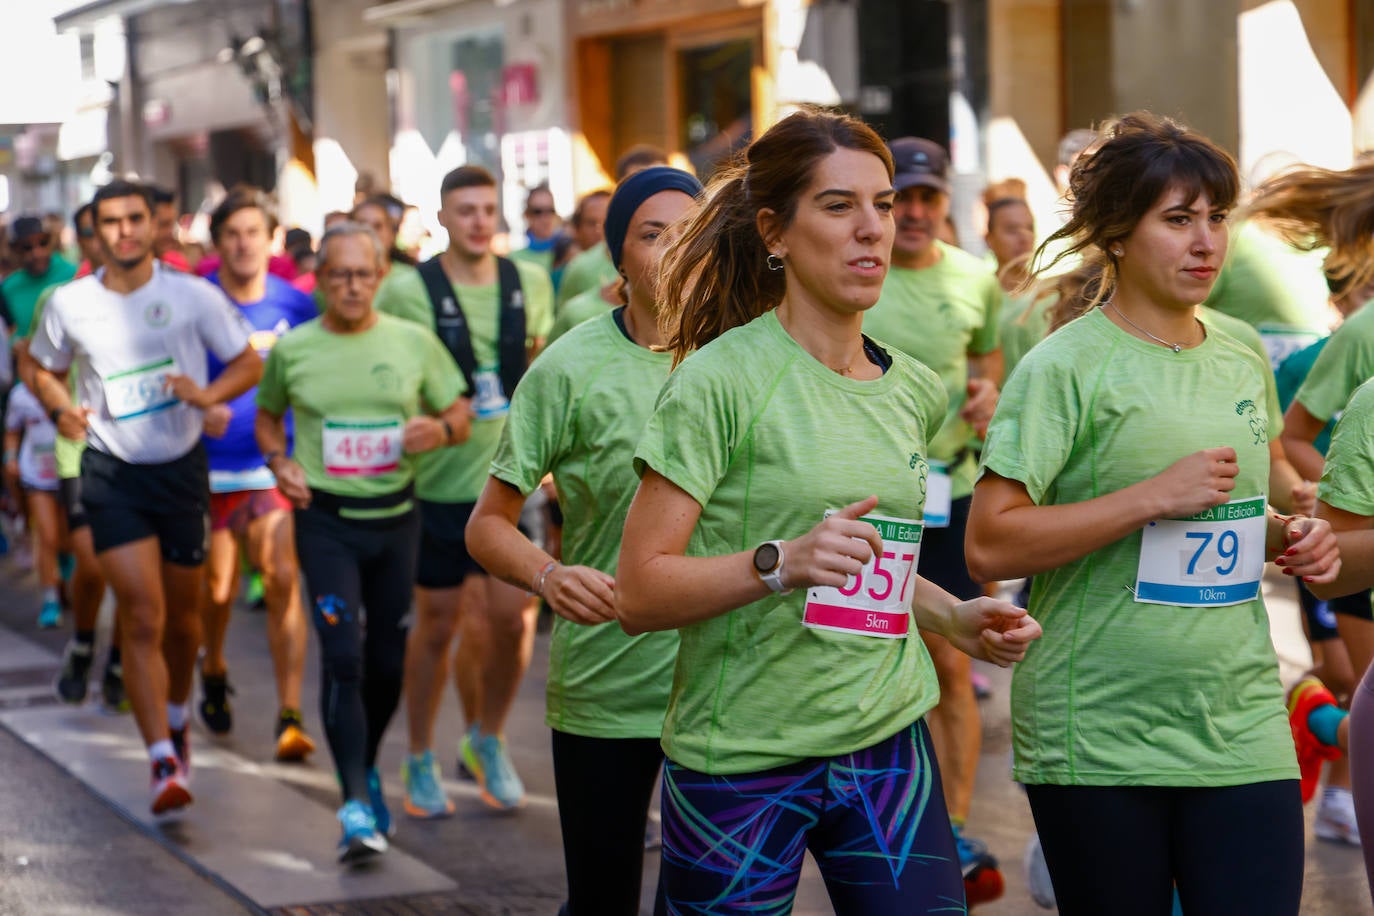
(27, 246)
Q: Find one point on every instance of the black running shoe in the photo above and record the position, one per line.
(76, 671)
(112, 688)
(214, 703)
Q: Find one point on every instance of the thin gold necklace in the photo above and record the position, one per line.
(1176, 347)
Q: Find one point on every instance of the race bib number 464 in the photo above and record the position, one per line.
(361, 448)
(876, 602)
(1211, 559)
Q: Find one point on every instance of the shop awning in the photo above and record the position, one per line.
(86, 15)
(402, 11)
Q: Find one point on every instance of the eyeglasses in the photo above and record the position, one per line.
(345, 277)
(85, 233)
(540, 211)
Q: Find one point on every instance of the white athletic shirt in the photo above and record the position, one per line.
(37, 460)
(124, 346)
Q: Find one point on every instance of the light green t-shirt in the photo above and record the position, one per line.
(1348, 477)
(767, 439)
(541, 259)
(1119, 692)
(590, 269)
(938, 316)
(1242, 332)
(1025, 322)
(342, 386)
(1344, 364)
(66, 452)
(1276, 289)
(402, 294)
(457, 474)
(579, 413)
(582, 307)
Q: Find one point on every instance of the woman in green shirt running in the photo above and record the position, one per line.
(1126, 468)
(777, 527)
(577, 415)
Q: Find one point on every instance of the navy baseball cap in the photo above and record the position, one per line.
(919, 162)
(26, 226)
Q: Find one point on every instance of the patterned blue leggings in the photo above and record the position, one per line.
(874, 820)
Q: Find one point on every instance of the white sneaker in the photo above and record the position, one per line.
(1038, 875)
(1336, 818)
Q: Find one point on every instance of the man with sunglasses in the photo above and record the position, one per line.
(541, 229)
(40, 267)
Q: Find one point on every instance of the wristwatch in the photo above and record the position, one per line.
(768, 564)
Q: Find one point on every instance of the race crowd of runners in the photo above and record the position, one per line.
(765, 449)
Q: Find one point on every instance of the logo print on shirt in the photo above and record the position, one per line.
(386, 377)
(157, 314)
(1259, 423)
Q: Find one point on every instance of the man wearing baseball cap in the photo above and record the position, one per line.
(940, 305)
(40, 267)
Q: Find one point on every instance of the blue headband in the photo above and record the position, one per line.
(632, 192)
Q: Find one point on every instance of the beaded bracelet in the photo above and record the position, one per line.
(539, 578)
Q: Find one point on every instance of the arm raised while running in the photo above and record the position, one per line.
(1300, 431)
(240, 373)
(659, 588)
(578, 593)
(1009, 536)
(1355, 534)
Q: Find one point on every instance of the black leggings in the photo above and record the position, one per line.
(604, 789)
(1121, 850)
(350, 565)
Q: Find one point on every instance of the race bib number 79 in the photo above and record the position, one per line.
(1211, 559)
(876, 602)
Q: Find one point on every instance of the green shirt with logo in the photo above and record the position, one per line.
(1119, 692)
(938, 316)
(578, 414)
(347, 385)
(457, 474)
(767, 439)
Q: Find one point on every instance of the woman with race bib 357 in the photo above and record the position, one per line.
(1126, 469)
(777, 526)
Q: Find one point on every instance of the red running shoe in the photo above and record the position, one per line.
(1306, 695)
(169, 786)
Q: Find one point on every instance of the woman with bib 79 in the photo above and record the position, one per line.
(1126, 469)
(777, 526)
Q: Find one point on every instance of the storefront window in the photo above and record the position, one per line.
(717, 102)
(463, 104)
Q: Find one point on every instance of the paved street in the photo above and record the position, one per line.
(260, 836)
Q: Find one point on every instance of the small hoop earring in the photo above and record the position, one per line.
(1117, 252)
(774, 262)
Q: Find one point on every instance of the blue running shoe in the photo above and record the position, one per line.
(501, 785)
(50, 617)
(425, 798)
(360, 841)
(380, 812)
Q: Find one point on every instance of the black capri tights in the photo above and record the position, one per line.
(350, 565)
(1121, 849)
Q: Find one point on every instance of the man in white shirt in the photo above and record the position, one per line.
(136, 334)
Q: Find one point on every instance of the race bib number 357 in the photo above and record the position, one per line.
(361, 448)
(1212, 559)
(876, 602)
